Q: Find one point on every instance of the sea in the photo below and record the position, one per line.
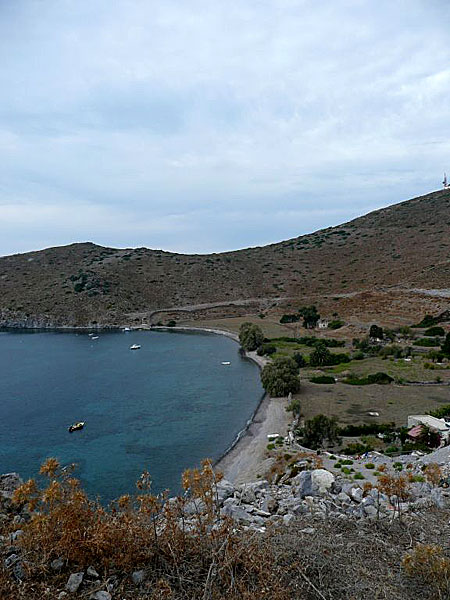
(162, 408)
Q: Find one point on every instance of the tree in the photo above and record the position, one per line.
(310, 316)
(280, 377)
(299, 359)
(445, 348)
(376, 332)
(251, 336)
(320, 356)
(318, 429)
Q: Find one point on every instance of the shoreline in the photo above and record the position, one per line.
(245, 459)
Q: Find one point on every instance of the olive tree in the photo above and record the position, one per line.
(250, 336)
(280, 377)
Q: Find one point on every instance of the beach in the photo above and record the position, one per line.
(247, 459)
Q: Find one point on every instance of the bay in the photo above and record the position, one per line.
(162, 408)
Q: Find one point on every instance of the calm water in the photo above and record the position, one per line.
(161, 408)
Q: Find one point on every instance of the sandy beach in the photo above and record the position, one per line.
(246, 460)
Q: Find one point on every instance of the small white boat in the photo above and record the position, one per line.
(95, 337)
(226, 362)
(76, 426)
(135, 347)
(126, 329)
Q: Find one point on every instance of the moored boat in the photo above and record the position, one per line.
(76, 426)
(135, 347)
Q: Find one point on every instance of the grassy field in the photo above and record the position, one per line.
(351, 404)
(399, 369)
(270, 326)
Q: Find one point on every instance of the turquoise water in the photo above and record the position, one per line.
(162, 408)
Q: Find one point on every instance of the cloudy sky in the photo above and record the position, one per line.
(207, 125)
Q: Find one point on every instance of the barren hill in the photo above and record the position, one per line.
(400, 250)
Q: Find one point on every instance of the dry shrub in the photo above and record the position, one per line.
(367, 487)
(396, 487)
(433, 473)
(199, 556)
(427, 563)
(287, 463)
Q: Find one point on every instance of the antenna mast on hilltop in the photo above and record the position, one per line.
(444, 183)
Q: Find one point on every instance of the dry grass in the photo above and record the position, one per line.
(312, 559)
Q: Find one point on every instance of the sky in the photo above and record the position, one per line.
(208, 125)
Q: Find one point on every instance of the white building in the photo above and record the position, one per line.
(322, 323)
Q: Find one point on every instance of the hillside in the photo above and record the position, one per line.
(399, 251)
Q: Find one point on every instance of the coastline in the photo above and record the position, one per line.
(245, 460)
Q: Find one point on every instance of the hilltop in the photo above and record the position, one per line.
(386, 259)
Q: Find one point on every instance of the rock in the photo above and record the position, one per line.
(367, 501)
(287, 519)
(57, 564)
(11, 560)
(74, 582)
(322, 480)
(62, 595)
(356, 494)
(91, 572)
(16, 534)
(237, 513)
(343, 498)
(269, 504)
(313, 483)
(225, 489)
(194, 507)
(436, 497)
(9, 482)
(302, 484)
(138, 577)
(370, 510)
(101, 595)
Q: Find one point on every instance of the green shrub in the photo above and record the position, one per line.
(379, 378)
(434, 331)
(270, 446)
(322, 379)
(391, 450)
(358, 475)
(357, 448)
(266, 350)
(347, 461)
(427, 321)
(370, 466)
(366, 429)
(427, 342)
(336, 324)
(290, 318)
(171, 323)
(346, 471)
